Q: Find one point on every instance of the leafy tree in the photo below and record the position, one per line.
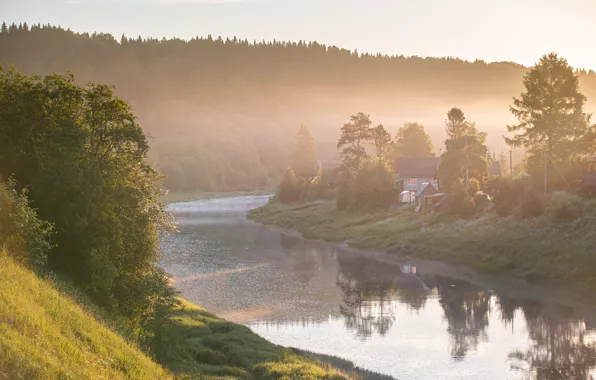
(372, 187)
(354, 135)
(465, 149)
(456, 124)
(304, 159)
(381, 140)
(552, 120)
(413, 141)
(82, 156)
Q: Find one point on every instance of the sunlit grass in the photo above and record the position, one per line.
(46, 335)
(48, 331)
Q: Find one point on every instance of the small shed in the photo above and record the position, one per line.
(425, 191)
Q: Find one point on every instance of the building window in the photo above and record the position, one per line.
(412, 181)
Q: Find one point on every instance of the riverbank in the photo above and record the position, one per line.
(543, 250)
(42, 314)
(189, 196)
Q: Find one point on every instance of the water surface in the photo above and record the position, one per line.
(410, 322)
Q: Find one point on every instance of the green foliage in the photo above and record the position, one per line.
(413, 141)
(552, 121)
(353, 136)
(564, 206)
(82, 157)
(304, 158)
(22, 233)
(473, 186)
(460, 200)
(531, 205)
(292, 189)
(381, 139)
(288, 190)
(372, 188)
(465, 147)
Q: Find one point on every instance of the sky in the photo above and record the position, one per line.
(493, 30)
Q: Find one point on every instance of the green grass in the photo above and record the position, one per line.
(545, 249)
(48, 330)
(187, 196)
(47, 335)
(206, 346)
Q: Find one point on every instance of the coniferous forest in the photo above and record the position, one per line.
(221, 114)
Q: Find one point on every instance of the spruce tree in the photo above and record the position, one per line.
(552, 121)
(304, 158)
(4, 27)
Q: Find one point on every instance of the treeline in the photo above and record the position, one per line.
(553, 129)
(219, 112)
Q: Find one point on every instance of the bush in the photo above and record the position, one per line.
(22, 233)
(481, 200)
(473, 186)
(563, 205)
(288, 190)
(292, 189)
(460, 202)
(372, 188)
(531, 205)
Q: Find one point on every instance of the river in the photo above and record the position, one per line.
(403, 320)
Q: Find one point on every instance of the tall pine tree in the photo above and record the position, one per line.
(552, 121)
(304, 159)
(354, 135)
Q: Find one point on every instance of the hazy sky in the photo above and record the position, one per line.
(493, 30)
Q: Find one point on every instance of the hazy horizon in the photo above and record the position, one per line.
(465, 29)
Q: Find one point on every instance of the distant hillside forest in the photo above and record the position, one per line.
(222, 113)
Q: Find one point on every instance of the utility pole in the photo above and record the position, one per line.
(544, 172)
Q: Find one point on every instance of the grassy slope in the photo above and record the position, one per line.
(46, 334)
(538, 249)
(210, 347)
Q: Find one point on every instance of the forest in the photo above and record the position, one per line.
(221, 113)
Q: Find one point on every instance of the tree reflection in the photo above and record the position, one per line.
(306, 259)
(466, 311)
(558, 349)
(366, 303)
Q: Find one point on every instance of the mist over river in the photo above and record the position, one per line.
(407, 321)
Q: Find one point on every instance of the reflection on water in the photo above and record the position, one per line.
(404, 321)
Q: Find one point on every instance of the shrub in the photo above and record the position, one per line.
(460, 202)
(288, 190)
(473, 186)
(563, 205)
(372, 188)
(531, 205)
(22, 233)
(481, 199)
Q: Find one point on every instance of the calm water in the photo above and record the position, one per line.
(401, 320)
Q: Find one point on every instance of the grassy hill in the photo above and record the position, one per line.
(47, 334)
